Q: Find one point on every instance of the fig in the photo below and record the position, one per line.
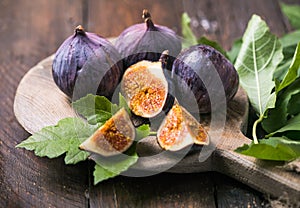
(197, 65)
(115, 136)
(180, 129)
(146, 41)
(75, 51)
(145, 88)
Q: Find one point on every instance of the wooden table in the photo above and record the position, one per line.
(31, 30)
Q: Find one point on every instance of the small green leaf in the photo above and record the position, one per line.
(101, 174)
(274, 148)
(189, 38)
(123, 104)
(235, 49)
(215, 45)
(110, 167)
(292, 73)
(91, 105)
(278, 116)
(289, 43)
(293, 14)
(142, 131)
(293, 106)
(292, 124)
(65, 137)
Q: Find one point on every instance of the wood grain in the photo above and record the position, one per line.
(31, 30)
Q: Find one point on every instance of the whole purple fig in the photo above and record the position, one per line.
(201, 72)
(146, 41)
(74, 58)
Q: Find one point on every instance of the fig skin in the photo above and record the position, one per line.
(115, 136)
(146, 41)
(75, 51)
(202, 59)
(180, 129)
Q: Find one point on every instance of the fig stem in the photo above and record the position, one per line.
(147, 18)
(152, 133)
(79, 30)
(255, 140)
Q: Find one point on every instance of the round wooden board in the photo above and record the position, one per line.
(39, 103)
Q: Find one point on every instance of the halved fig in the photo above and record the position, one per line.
(180, 129)
(113, 137)
(145, 88)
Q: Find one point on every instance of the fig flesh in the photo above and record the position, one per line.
(145, 88)
(115, 136)
(146, 41)
(180, 129)
(75, 51)
(198, 65)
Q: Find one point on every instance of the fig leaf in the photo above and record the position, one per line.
(292, 73)
(65, 137)
(293, 14)
(260, 54)
(106, 168)
(274, 148)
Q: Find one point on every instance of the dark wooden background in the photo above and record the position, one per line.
(31, 30)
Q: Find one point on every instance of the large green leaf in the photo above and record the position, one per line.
(260, 54)
(274, 148)
(65, 137)
(293, 14)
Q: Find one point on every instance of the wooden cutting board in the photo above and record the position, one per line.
(39, 103)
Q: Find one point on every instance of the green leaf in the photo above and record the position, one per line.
(215, 45)
(123, 104)
(142, 131)
(235, 49)
(274, 148)
(292, 124)
(260, 54)
(293, 106)
(95, 108)
(289, 43)
(293, 14)
(278, 116)
(292, 73)
(65, 137)
(101, 174)
(281, 71)
(189, 38)
(110, 167)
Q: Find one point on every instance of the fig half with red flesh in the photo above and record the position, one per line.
(180, 129)
(145, 88)
(115, 136)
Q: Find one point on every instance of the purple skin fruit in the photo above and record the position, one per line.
(198, 60)
(75, 51)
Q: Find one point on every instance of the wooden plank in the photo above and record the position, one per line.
(29, 31)
(229, 193)
(224, 21)
(164, 190)
(109, 18)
